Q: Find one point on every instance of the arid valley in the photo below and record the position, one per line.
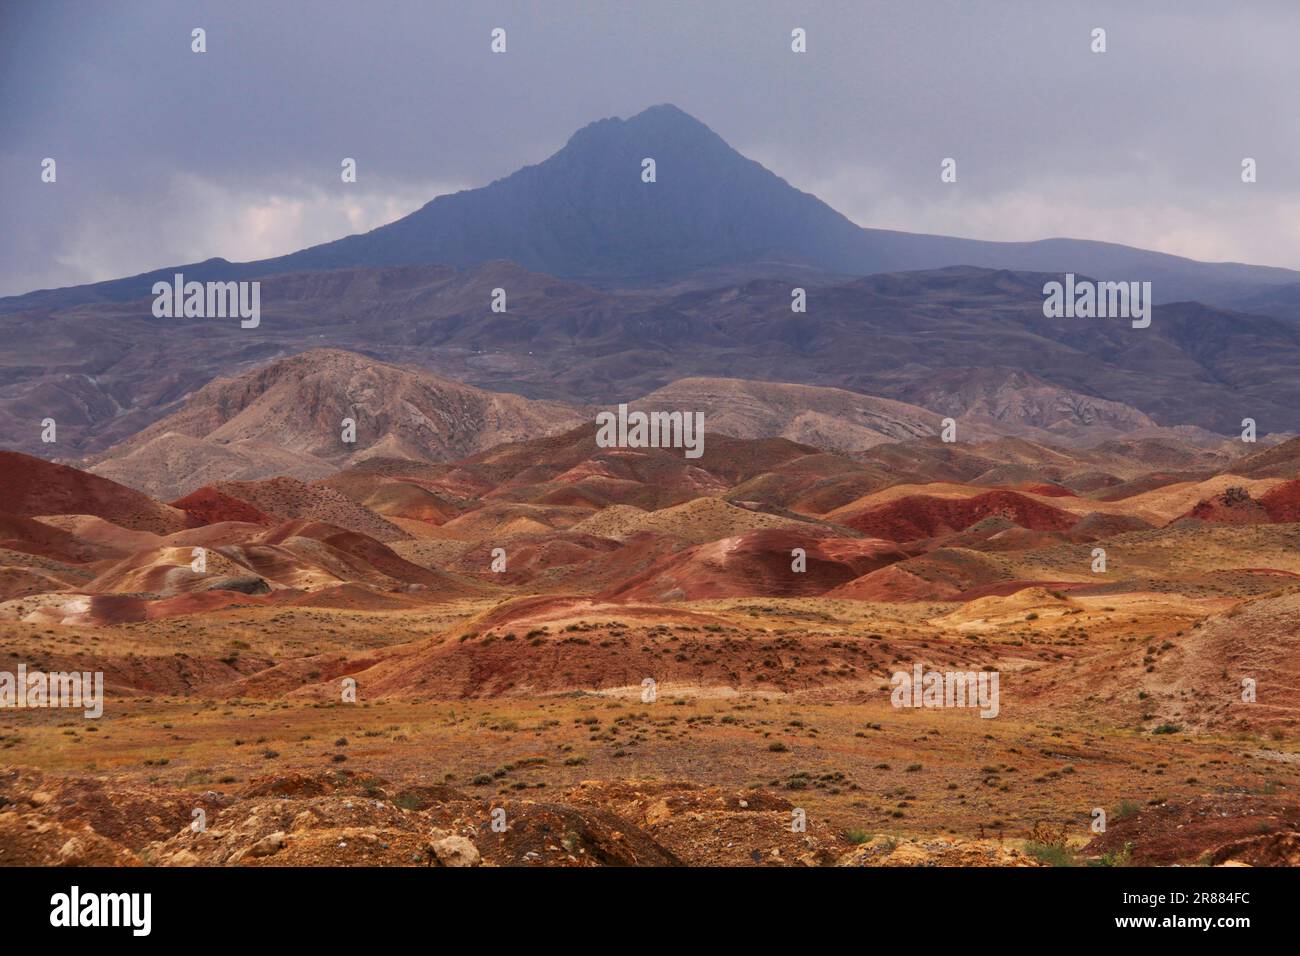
(546, 652)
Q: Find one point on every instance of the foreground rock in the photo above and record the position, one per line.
(354, 818)
(885, 851)
(452, 850)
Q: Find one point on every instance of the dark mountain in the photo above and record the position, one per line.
(585, 213)
(1282, 301)
(958, 341)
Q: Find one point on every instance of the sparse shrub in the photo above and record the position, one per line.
(1051, 855)
(1126, 809)
(1117, 857)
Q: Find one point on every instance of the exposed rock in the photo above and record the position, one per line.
(269, 845)
(451, 850)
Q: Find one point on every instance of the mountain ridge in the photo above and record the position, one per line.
(284, 419)
(107, 371)
(584, 212)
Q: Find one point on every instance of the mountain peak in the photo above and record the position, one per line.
(656, 129)
(666, 109)
(592, 211)
(665, 115)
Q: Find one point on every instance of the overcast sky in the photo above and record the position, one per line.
(166, 156)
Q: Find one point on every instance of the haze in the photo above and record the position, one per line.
(169, 156)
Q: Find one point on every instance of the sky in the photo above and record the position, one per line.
(165, 156)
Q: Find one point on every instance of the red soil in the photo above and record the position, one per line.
(355, 597)
(759, 563)
(534, 554)
(895, 584)
(358, 551)
(1283, 502)
(207, 505)
(922, 516)
(1049, 491)
(31, 486)
(1233, 506)
(948, 574)
(33, 537)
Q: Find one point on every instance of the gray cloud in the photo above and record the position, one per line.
(167, 156)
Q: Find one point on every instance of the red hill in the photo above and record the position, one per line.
(207, 505)
(32, 486)
(923, 516)
(1283, 502)
(758, 563)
